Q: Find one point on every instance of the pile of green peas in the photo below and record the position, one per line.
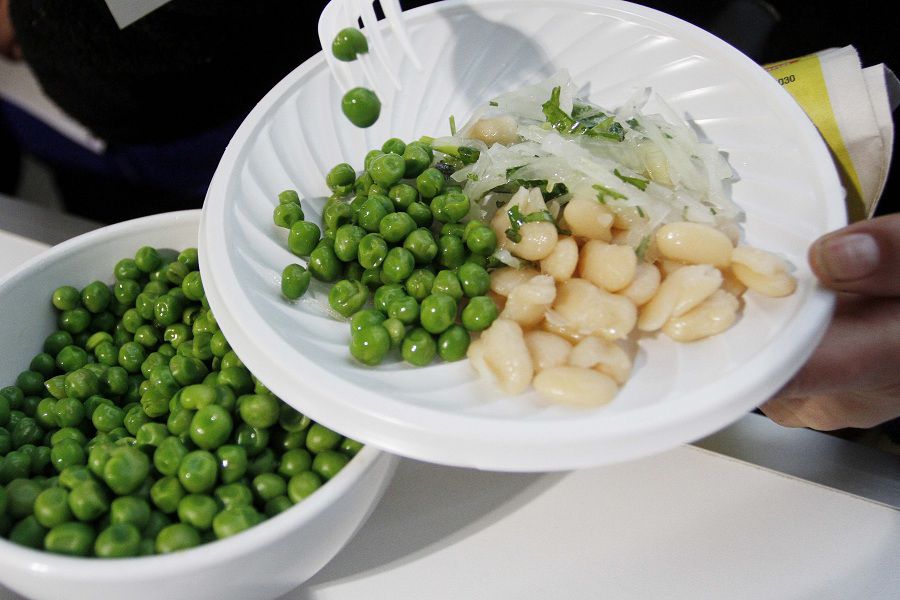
(409, 268)
(137, 430)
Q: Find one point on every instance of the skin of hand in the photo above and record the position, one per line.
(8, 46)
(853, 378)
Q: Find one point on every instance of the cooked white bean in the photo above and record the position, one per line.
(528, 302)
(678, 293)
(536, 242)
(561, 262)
(627, 217)
(731, 284)
(495, 130)
(582, 309)
(605, 356)
(609, 266)
(575, 386)
(644, 285)
(507, 356)
(763, 272)
(547, 349)
(714, 315)
(694, 243)
(585, 217)
(505, 279)
(475, 354)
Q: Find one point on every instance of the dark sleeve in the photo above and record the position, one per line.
(184, 68)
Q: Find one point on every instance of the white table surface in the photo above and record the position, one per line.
(754, 511)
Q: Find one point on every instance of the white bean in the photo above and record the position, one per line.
(536, 242)
(605, 356)
(495, 130)
(507, 356)
(561, 262)
(582, 309)
(587, 218)
(763, 272)
(609, 266)
(714, 315)
(547, 349)
(678, 293)
(694, 243)
(505, 279)
(575, 386)
(644, 285)
(528, 302)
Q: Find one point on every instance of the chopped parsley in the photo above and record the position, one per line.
(637, 182)
(603, 191)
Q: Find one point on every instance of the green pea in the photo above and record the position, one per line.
(187, 370)
(474, 279)
(396, 331)
(166, 493)
(417, 159)
(118, 540)
(175, 537)
(197, 510)
(285, 215)
(320, 438)
(361, 106)
(44, 364)
(323, 264)
(395, 227)
(107, 417)
(234, 494)
(387, 169)
(72, 539)
(211, 427)
(277, 505)
(65, 298)
(16, 465)
(219, 345)
(190, 257)
(66, 454)
(303, 238)
(453, 343)
(364, 317)
(398, 265)
(5, 408)
(371, 278)
(340, 178)
(30, 382)
(420, 213)
(336, 214)
(147, 259)
(370, 344)
(363, 183)
(450, 207)
(350, 447)
(176, 271)
(329, 463)
(45, 414)
(28, 532)
(126, 269)
(437, 312)
(420, 283)
(419, 347)
(386, 294)
(151, 434)
(295, 280)
(348, 43)
(126, 470)
(231, 359)
(259, 410)
(430, 182)
(51, 507)
(481, 240)
(87, 500)
(370, 214)
(168, 308)
(372, 251)
(447, 282)
(236, 378)
(168, 455)
(402, 195)
(56, 341)
(479, 313)
(347, 297)
(288, 197)
(405, 309)
(457, 229)
(96, 296)
(192, 286)
(302, 485)
(21, 495)
(235, 519)
(26, 431)
(68, 433)
(295, 460)
(81, 384)
(69, 412)
(198, 471)
(135, 418)
(232, 462)
(346, 241)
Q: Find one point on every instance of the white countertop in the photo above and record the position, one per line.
(754, 511)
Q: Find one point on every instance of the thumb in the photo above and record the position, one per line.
(862, 258)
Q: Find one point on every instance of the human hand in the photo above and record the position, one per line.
(8, 45)
(853, 378)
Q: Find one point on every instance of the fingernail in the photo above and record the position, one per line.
(849, 257)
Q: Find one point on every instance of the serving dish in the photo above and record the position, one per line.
(785, 181)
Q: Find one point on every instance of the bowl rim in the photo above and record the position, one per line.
(406, 419)
(14, 557)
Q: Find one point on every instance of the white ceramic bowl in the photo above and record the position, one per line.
(261, 563)
(472, 51)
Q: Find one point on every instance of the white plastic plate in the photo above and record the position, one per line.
(473, 51)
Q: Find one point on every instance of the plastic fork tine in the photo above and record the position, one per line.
(373, 33)
(334, 13)
(392, 10)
